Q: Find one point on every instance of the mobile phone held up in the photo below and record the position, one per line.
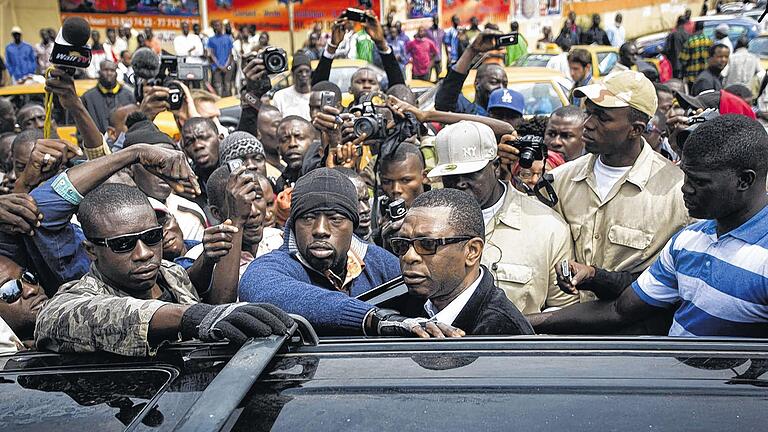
(506, 39)
(357, 15)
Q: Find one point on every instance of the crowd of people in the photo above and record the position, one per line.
(634, 210)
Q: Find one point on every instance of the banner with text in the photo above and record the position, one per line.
(158, 14)
(496, 11)
(273, 15)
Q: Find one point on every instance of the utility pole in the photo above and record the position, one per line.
(291, 25)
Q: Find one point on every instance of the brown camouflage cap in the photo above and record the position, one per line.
(622, 89)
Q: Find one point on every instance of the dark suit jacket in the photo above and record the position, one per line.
(490, 312)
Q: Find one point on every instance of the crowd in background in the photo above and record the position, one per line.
(638, 208)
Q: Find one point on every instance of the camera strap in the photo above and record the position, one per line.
(545, 182)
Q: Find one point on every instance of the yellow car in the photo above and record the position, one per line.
(544, 89)
(35, 92)
(604, 58)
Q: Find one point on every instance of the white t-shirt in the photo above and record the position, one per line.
(607, 176)
(291, 102)
(491, 211)
(182, 44)
(560, 64)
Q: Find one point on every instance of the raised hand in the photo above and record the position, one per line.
(19, 214)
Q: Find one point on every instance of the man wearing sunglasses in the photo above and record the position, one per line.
(21, 298)
(524, 238)
(322, 266)
(131, 301)
(55, 253)
(440, 248)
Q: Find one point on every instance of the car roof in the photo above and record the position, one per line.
(543, 382)
(81, 86)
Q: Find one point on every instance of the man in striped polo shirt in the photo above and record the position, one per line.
(714, 273)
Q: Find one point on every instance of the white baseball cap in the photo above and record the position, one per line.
(15, 29)
(462, 148)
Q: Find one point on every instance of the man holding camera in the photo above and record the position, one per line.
(490, 76)
(524, 239)
(294, 100)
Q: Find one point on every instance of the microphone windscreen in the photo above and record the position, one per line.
(76, 31)
(145, 63)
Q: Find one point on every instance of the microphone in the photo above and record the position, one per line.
(146, 64)
(70, 48)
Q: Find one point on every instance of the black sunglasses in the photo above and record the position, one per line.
(126, 243)
(423, 245)
(11, 290)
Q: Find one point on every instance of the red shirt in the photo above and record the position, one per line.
(421, 52)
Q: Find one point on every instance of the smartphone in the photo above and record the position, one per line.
(328, 98)
(353, 14)
(566, 270)
(506, 40)
(234, 164)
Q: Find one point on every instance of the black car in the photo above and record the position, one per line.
(530, 383)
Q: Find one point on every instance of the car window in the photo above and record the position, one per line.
(540, 98)
(87, 401)
(606, 61)
(734, 32)
(758, 46)
(534, 60)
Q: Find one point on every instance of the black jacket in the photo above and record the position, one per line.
(490, 312)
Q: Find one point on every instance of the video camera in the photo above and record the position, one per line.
(532, 148)
(393, 210)
(154, 70)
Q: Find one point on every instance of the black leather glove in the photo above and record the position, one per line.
(388, 322)
(233, 321)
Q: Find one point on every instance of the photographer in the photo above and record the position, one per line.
(489, 78)
(364, 79)
(524, 238)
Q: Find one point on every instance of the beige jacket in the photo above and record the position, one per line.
(523, 243)
(627, 230)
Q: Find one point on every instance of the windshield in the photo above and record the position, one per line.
(758, 46)
(540, 98)
(534, 60)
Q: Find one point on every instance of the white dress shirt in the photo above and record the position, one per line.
(449, 313)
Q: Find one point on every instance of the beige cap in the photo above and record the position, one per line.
(15, 29)
(462, 148)
(622, 89)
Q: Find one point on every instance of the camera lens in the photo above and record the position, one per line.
(527, 157)
(275, 63)
(365, 126)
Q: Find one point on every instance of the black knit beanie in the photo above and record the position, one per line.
(324, 189)
(142, 131)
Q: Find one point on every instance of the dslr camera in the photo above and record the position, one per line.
(169, 72)
(531, 149)
(370, 122)
(275, 60)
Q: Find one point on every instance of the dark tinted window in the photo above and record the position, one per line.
(78, 401)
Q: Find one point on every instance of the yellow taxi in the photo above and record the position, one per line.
(35, 92)
(544, 89)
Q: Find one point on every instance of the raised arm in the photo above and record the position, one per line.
(400, 107)
(62, 85)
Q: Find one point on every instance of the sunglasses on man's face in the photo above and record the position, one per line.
(423, 245)
(11, 290)
(127, 242)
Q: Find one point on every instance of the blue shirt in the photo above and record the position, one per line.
(451, 39)
(55, 253)
(719, 286)
(20, 59)
(463, 105)
(222, 47)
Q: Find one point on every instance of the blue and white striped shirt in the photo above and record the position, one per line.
(719, 285)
